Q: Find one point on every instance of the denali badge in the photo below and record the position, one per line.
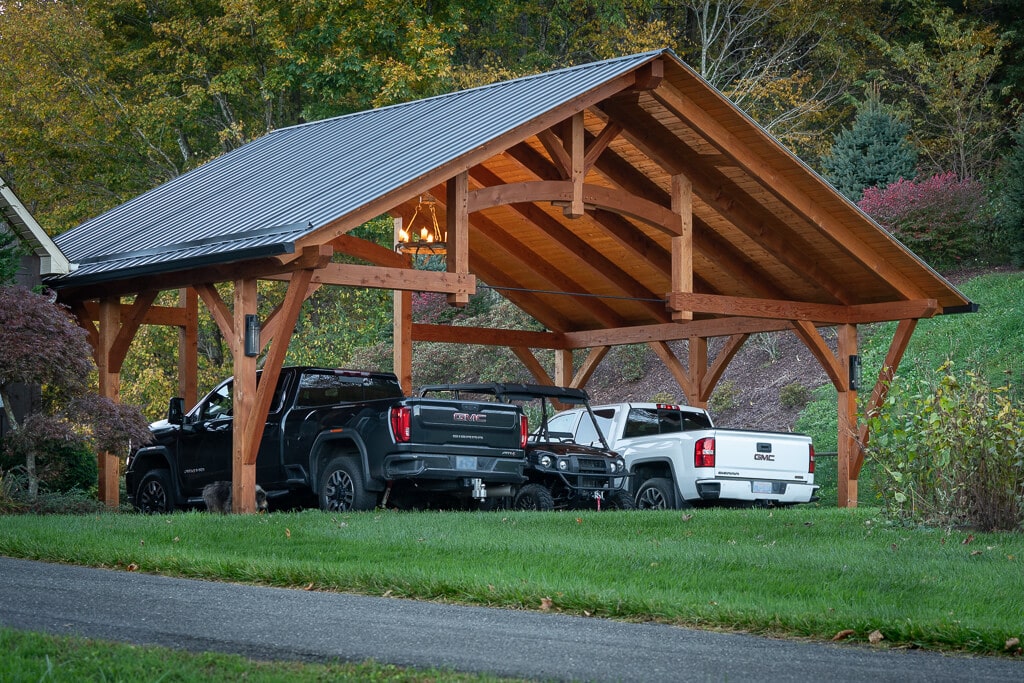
(469, 417)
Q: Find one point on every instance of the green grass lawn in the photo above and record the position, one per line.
(801, 572)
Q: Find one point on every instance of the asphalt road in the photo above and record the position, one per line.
(272, 624)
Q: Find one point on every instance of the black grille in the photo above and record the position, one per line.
(592, 466)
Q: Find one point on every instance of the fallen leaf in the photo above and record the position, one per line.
(587, 614)
(970, 537)
(490, 587)
(132, 567)
(843, 635)
(142, 542)
(1012, 643)
(808, 523)
(308, 587)
(894, 547)
(875, 637)
(387, 593)
(287, 532)
(686, 517)
(176, 539)
(579, 520)
(975, 552)
(545, 603)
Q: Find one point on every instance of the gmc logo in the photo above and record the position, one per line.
(469, 417)
(764, 456)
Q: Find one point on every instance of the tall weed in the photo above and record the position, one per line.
(951, 453)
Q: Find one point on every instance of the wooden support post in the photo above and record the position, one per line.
(401, 317)
(110, 387)
(673, 365)
(589, 365)
(847, 422)
(900, 341)
(697, 368)
(526, 357)
(682, 244)
(188, 348)
(563, 367)
(576, 150)
(457, 237)
(243, 475)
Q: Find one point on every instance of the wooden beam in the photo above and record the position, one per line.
(641, 334)
(898, 346)
(370, 251)
(457, 213)
(577, 170)
(525, 355)
(717, 369)
(218, 309)
(673, 365)
(558, 153)
(298, 290)
(85, 321)
(650, 75)
(786, 190)
(722, 195)
(173, 316)
(110, 387)
(377, 277)
(589, 365)
(561, 192)
(486, 336)
(697, 369)
(820, 350)
(599, 144)
(682, 244)
(129, 327)
(798, 310)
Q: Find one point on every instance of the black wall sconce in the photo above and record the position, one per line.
(854, 372)
(252, 334)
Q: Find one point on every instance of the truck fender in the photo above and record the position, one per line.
(643, 469)
(330, 444)
(152, 458)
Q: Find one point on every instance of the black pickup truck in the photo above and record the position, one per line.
(563, 470)
(348, 437)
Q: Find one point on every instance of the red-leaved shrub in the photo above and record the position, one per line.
(940, 218)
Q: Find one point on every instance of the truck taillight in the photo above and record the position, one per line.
(810, 467)
(401, 421)
(704, 452)
(524, 431)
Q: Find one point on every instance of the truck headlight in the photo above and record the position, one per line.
(545, 461)
(563, 465)
(619, 466)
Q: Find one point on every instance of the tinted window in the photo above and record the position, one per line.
(641, 422)
(318, 389)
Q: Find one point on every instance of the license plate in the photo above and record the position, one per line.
(465, 462)
(761, 486)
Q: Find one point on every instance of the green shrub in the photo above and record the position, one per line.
(664, 397)
(794, 395)
(951, 454)
(632, 361)
(724, 396)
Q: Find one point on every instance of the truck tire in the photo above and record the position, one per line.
(155, 494)
(534, 497)
(619, 500)
(658, 493)
(341, 488)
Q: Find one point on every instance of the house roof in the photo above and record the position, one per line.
(765, 226)
(51, 260)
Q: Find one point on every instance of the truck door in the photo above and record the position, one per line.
(204, 447)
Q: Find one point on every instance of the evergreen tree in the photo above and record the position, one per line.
(874, 152)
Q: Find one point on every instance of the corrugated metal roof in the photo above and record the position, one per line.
(310, 174)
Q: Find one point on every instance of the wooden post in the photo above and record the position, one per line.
(847, 422)
(697, 369)
(682, 245)
(110, 387)
(457, 237)
(401, 320)
(188, 348)
(563, 367)
(243, 476)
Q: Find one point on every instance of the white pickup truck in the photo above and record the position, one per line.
(677, 458)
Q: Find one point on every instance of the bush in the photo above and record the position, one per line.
(952, 454)
(940, 219)
(724, 396)
(794, 395)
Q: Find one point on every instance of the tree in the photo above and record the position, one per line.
(874, 152)
(41, 344)
(944, 81)
(1010, 199)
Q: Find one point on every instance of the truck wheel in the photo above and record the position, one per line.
(656, 494)
(155, 494)
(619, 500)
(534, 497)
(341, 488)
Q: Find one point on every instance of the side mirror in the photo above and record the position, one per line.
(176, 411)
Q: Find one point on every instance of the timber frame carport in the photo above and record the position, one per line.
(619, 202)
